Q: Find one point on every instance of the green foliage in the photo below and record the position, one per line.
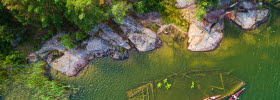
(192, 86)
(201, 8)
(168, 86)
(15, 58)
(35, 83)
(159, 85)
(119, 10)
(140, 7)
(8, 30)
(81, 35)
(146, 6)
(153, 27)
(165, 81)
(171, 14)
(37, 12)
(69, 41)
(6, 35)
(86, 14)
(275, 3)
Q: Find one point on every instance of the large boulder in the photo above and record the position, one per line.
(205, 37)
(52, 49)
(113, 38)
(71, 62)
(185, 3)
(215, 15)
(249, 20)
(152, 18)
(247, 5)
(76, 59)
(142, 38)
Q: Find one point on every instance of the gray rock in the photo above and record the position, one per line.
(142, 38)
(93, 31)
(71, 63)
(109, 35)
(251, 19)
(204, 38)
(247, 5)
(51, 48)
(32, 58)
(185, 3)
(119, 55)
(97, 47)
(152, 18)
(74, 60)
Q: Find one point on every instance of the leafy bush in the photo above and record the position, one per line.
(69, 41)
(201, 8)
(140, 7)
(171, 14)
(86, 14)
(81, 35)
(119, 10)
(37, 12)
(146, 6)
(15, 58)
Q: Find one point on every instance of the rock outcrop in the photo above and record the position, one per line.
(249, 20)
(204, 38)
(207, 34)
(52, 49)
(185, 3)
(204, 35)
(76, 59)
(142, 38)
(113, 38)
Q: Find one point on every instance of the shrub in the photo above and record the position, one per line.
(69, 41)
(146, 6)
(201, 8)
(81, 36)
(119, 10)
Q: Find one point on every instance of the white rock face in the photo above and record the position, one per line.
(203, 38)
(185, 3)
(251, 19)
(142, 38)
(72, 61)
(109, 35)
(46, 52)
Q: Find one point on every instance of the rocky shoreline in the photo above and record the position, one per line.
(205, 35)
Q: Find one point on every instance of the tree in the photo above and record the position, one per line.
(119, 10)
(37, 12)
(86, 14)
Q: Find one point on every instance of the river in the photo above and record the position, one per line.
(252, 56)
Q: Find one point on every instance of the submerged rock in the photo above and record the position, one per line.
(142, 38)
(249, 20)
(204, 38)
(117, 55)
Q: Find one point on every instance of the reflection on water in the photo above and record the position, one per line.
(252, 56)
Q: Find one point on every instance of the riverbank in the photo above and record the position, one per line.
(203, 35)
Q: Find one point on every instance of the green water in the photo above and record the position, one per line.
(252, 56)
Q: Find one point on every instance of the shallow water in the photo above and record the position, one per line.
(252, 56)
